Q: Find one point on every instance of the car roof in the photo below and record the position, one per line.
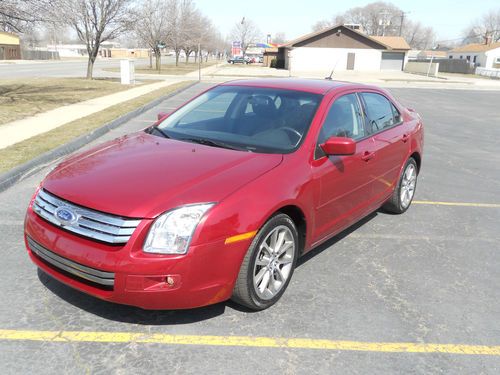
(316, 86)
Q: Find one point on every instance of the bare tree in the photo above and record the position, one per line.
(154, 25)
(245, 32)
(279, 38)
(17, 15)
(95, 21)
(487, 26)
(382, 18)
(418, 36)
(338, 19)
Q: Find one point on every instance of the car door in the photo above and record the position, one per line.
(344, 180)
(385, 124)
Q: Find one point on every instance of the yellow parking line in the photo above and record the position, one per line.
(490, 205)
(245, 341)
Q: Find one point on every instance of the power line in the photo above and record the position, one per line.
(466, 37)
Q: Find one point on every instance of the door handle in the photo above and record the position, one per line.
(367, 155)
(405, 138)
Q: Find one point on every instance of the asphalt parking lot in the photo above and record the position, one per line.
(416, 293)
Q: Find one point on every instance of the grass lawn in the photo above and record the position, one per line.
(170, 69)
(30, 148)
(21, 98)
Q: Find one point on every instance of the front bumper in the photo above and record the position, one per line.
(126, 275)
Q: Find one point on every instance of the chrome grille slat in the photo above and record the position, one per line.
(77, 269)
(90, 223)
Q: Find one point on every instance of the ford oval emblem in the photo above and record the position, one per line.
(65, 215)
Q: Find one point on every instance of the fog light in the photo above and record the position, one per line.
(170, 280)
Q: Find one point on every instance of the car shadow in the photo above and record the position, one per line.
(128, 314)
(332, 241)
(135, 315)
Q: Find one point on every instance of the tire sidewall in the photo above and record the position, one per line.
(280, 219)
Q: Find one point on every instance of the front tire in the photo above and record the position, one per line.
(404, 192)
(268, 265)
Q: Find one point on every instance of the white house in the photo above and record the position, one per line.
(481, 54)
(342, 48)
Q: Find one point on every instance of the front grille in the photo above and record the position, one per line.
(101, 278)
(88, 223)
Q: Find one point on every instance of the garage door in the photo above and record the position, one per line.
(392, 61)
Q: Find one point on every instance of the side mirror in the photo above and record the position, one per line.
(161, 115)
(339, 146)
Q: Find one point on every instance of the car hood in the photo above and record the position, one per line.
(142, 175)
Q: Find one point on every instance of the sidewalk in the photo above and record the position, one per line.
(17, 131)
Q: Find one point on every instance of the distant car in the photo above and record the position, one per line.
(219, 198)
(238, 60)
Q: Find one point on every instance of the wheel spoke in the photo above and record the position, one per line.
(258, 278)
(274, 239)
(284, 248)
(266, 248)
(265, 281)
(264, 261)
(279, 241)
(285, 260)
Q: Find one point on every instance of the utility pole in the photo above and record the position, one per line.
(403, 14)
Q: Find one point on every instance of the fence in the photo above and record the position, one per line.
(29, 54)
(422, 67)
(492, 73)
(455, 66)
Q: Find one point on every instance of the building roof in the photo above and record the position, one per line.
(386, 42)
(393, 42)
(427, 53)
(315, 86)
(476, 47)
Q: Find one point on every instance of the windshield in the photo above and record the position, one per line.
(245, 118)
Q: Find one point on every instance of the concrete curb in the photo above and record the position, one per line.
(27, 169)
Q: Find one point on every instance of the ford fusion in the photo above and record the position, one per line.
(218, 199)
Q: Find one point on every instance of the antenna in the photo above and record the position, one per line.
(329, 78)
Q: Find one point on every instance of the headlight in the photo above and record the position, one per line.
(172, 231)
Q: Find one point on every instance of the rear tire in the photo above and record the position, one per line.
(404, 192)
(268, 265)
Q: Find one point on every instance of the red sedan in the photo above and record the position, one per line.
(218, 199)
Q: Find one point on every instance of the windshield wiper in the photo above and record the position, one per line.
(157, 129)
(210, 142)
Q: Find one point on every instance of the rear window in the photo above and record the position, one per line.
(380, 112)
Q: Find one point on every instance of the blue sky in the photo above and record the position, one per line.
(295, 18)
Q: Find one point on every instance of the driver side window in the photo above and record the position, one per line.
(344, 119)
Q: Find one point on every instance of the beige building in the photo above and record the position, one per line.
(342, 48)
(10, 48)
(126, 53)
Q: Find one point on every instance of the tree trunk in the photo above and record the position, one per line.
(157, 52)
(90, 67)
(177, 54)
(187, 56)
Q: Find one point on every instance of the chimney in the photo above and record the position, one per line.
(487, 39)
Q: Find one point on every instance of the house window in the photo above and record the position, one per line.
(468, 58)
(450, 56)
(461, 57)
(475, 58)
